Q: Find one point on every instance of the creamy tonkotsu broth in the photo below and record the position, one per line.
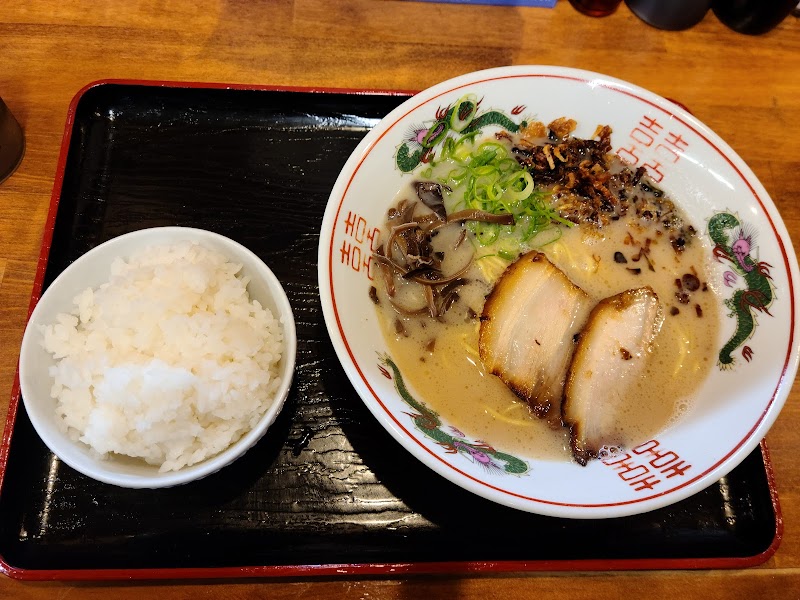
(440, 361)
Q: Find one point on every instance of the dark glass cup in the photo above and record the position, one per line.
(596, 8)
(672, 15)
(12, 142)
(753, 17)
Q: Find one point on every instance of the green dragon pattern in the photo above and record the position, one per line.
(734, 246)
(429, 423)
(423, 142)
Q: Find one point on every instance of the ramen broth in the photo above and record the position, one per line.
(440, 362)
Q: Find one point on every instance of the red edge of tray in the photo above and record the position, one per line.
(391, 569)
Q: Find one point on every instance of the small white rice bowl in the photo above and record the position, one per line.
(158, 357)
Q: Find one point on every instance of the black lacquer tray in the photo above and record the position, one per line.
(327, 491)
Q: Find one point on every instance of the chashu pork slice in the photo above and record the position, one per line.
(527, 331)
(611, 356)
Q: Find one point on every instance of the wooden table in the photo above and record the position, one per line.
(745, 88)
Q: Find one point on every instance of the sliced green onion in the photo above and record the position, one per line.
(463, 112)
(435, 134)
(505, 254)
(485, 176)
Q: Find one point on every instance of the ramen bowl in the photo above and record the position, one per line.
(753, 358)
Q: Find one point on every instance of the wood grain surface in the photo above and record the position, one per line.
(747, 89)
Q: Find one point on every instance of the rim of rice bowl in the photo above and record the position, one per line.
(90, 271)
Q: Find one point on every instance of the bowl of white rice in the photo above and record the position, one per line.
(158, 357)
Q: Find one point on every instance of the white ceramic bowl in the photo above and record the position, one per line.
(91, 270)
(734, 407)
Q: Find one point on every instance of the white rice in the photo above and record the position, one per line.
(170, 361)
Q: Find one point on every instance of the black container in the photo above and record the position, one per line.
(753, 17)
(12, 142)
(672, 15)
